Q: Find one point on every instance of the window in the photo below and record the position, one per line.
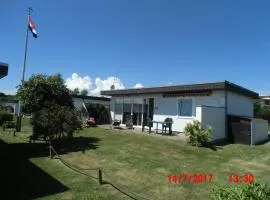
(126, 112)
(185, 107)
(118, 108)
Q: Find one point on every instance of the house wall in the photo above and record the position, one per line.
(259, 130)
(168, 107)
(239, 105)
(214, 117)
(15, 106)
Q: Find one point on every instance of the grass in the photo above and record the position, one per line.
(138, 163)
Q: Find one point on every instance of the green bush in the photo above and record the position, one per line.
(254, 191)
(53, 122)
(4, 116)
(198, 136)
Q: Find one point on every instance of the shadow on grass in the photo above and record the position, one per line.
(212, 147)
(76, 144)
(21, 179)
(218, 145)
(67, 145)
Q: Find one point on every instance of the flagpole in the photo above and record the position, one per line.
(19, 118)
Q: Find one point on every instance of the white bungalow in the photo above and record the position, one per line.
(210, 103)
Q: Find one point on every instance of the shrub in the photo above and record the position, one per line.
(198, 136)
(254, 191)
(54, 122)
(4, 116)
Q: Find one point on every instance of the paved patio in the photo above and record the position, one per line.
(174, 136)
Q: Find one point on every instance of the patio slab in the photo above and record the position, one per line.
(174, 136)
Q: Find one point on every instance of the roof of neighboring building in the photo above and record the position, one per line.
(91, 97)
(8, 98)
(198, 87)
(3, 70)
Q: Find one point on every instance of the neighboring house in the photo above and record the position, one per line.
(210, 103)
(266, 100)
(3, 70)
(11, 106)
(88, 105)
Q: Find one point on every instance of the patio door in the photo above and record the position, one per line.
(126, 112)
(137, 114)
(148, 110)
(145, 112)
(151, 108)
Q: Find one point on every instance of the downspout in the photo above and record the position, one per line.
(251, 128)
(226, 113)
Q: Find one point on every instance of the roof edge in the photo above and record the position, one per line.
(221, 85)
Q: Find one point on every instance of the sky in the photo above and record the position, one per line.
(142, 43)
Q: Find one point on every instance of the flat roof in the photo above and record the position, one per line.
(265, 96)
(3, 69)
(91, 97)
(198, 87)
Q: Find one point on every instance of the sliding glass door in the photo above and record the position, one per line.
(126, 112)
(137, 114)
(135, 109)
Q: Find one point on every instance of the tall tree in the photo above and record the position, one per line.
(49, 100)
(40, 89)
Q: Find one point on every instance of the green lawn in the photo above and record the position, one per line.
(137, 163)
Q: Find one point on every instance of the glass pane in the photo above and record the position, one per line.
(137, 114)
(119, 100)
(137, 108)
(127, 108)
(126, 112)
(118, 109)
(185, 107)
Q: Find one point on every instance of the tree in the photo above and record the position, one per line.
(75, 91)
(40, 89)
(261, 110)
(54, 122)
(49, 100)
(84, 92)
(258, 107)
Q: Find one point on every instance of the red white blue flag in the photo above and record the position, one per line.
(32, 27)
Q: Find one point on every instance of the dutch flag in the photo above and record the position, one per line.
(32, 27)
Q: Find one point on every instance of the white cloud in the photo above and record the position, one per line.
(106, 85)
(82, 83)
(138, 85)
(86, 83)
(168, 83)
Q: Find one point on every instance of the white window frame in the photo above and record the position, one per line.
(192, 108)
